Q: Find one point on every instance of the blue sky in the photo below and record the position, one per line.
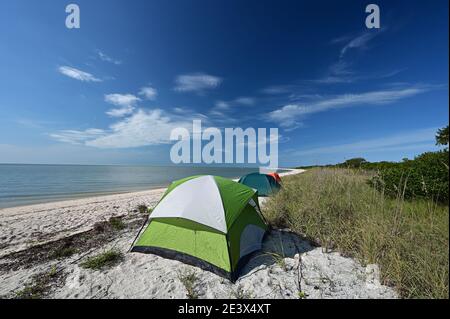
(111, 91)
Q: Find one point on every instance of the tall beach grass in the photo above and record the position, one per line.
(338, 208)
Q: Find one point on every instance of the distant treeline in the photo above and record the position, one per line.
(426, 176)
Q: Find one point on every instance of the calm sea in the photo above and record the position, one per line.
(31, 184)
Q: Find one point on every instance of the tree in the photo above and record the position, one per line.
(442, 136)
(354, 162)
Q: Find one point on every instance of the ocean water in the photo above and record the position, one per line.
(31, 184)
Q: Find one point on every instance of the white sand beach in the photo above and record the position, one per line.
(26, 232)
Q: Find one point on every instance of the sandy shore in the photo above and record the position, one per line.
(28, 232)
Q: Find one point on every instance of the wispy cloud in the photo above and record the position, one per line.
(126, 102)
(277, 89)
(227, 105)
(248, 101)
(222, 105)
(77, 74)
(341, 71)
(121, 99)
(106, 58)
(142, 128)
(120, 112)
(402, 141)
(33, 123)
(290, 115)
(77, 137)
(198, 82)
(359, 42)
(148, 92)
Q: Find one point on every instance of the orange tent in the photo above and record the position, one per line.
(276, 176)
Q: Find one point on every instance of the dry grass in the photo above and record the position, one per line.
(117, 223)
(106, 259)
(339, 210)
(189, 279)
(40, 285)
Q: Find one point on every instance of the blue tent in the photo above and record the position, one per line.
(266, 185)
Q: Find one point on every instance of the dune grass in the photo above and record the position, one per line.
(106, 259)
(117, 223)
(189, 279)
(40, 285)
(63, 252)
(338, 209)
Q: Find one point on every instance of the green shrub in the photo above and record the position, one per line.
(353, 163)
(426, 176)
(143, 209)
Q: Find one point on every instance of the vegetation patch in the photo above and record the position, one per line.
(278, 259)
(407, 238)
(117, 223)
(41, 285)
(102, 233)
(426, 176)
(189, 279)
(240, 293)
(104, 260)
(143, 209)
(63, 252)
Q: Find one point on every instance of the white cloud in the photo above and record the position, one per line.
(289, 115)
(107, 58)
(277, 89)
(359, 42)
(217, 113)
(402, 141)
(248, 101)
(77, 74)
(338, 72)
(126, 102)
(121, 99)
(198, 82)
(142, 128)
(77, 137)
(222, 105)
(120, 112)
(148, 93)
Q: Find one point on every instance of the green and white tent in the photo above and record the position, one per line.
(207, 221)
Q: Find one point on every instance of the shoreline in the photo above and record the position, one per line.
(26, 200)
(93, 196)
(72, 201)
